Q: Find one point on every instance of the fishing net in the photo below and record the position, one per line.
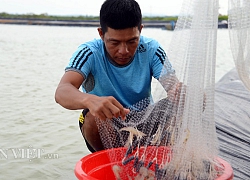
(239, 31)
(175, 137)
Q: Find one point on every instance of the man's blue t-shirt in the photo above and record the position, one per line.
(129, 83)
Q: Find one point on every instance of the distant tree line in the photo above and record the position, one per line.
(45, 16)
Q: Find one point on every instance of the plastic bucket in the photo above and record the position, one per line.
(97, 166)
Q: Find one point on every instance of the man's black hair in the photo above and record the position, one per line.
(120, 14)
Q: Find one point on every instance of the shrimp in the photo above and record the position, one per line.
(132, 132)
(156, 136)
(187, 136)
(143, 174)
(116, 170)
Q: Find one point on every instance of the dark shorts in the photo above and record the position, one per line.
(81, 122)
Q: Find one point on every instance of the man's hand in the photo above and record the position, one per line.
(69, 96)
(105, 107)
(177, 93)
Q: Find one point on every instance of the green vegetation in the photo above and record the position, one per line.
(47, 17)
(160, 18)
(223, 17)
(84, 18)
(75, 18)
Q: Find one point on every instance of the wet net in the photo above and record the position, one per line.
(175, 137)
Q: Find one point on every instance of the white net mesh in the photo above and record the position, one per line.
(239, 30)
(175, 137)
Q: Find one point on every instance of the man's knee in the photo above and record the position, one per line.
(90, 132)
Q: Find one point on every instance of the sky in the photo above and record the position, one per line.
(91, 7)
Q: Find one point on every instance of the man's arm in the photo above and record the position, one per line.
(176, 90)
(68, 94)
(70, 97)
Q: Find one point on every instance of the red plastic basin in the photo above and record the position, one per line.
(97, 166)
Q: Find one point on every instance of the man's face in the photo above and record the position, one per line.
(121, 44)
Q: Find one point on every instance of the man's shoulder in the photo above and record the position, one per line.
(147, 44)
(148, 40)
(90, 49)
(94, 45)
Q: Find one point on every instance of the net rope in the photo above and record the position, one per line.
(175, 137)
